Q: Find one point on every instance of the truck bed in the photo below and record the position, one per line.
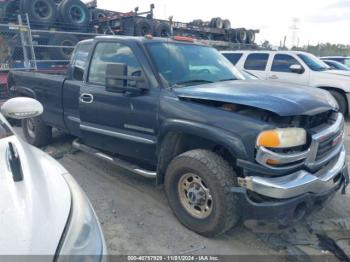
(46, 88)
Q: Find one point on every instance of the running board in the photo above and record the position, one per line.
(118, 162)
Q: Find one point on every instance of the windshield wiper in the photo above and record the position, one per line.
(195, 81)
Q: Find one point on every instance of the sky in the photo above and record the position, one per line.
(318, 21)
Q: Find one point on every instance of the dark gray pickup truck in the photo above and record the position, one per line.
(177, 111)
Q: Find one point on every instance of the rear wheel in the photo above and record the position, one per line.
(36, 132)
(197, 185)
(343, 105)
(143, 27)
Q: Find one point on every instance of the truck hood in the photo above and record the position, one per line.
(279, 98)
(35, 211)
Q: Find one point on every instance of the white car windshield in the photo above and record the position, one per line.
(314, 63)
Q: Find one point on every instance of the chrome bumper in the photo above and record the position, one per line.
(300, 182)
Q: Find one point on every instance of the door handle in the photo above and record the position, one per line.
(273, 77)
(87, 98)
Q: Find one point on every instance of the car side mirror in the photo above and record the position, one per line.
(118, 80)
(22, 108)
(296, 68)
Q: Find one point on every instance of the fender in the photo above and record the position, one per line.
(221, 137)
(24, 91)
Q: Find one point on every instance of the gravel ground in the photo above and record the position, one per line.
(136, 219)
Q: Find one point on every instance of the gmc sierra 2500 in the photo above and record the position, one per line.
(178, 111)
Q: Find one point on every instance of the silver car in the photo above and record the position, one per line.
(43, 209)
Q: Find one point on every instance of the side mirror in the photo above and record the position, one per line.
(118, 80)
(22, 108)
(296, 68)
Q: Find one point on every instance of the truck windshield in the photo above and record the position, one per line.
(183, 64)
(314, 63)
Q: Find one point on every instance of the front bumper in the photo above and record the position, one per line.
(285, 211)
(299, 182)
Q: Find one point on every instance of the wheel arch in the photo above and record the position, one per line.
(339, 90)
(177, 137)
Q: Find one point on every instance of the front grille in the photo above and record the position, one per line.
(316, 120)
(327, 145)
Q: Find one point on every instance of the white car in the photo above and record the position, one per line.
(43, 211)
(297, 68)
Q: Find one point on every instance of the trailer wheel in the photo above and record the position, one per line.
(197, 185)
(62, 53)
(197, 22)
(250, 36)
(40, 12)
(242, 36)
(9, 10)
(74, 14)
(99, 15)
(217, 23)
(36, 132)
(163, 30)
(143, 27)
(227, 24)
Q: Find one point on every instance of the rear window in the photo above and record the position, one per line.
(233, 58)
(256, 62)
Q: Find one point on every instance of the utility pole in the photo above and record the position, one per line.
(295, 29)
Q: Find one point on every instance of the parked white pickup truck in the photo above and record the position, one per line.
(295, 67)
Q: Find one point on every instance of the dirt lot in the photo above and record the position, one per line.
(136, 219)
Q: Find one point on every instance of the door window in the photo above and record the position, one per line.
(109, 53)
(81, 58)
(256, 62)
(282, 63)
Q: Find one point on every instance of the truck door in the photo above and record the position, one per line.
(281, 71)
(71, 87)
(118, 122)
(256, 63)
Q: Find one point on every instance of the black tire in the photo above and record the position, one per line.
(74, 14)
(163, 30)
(216, 23)
(219, 178)
(143, 27)
(233, 36)
(40, 12)
(341, 100)
(99, 15)
(250, 37)
(9, 10)
(242, 36)
(36, 132)
(227, 24)
(61, 53)
(197, 22)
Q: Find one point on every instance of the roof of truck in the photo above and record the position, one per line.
(144, 39)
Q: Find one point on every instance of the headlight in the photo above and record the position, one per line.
(282, 138)
(83, 236)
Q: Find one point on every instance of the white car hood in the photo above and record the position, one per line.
(338, 72)
(34, 212)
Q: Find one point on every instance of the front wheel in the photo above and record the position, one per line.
(197, 185)
(339, 97)
(36, 132)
